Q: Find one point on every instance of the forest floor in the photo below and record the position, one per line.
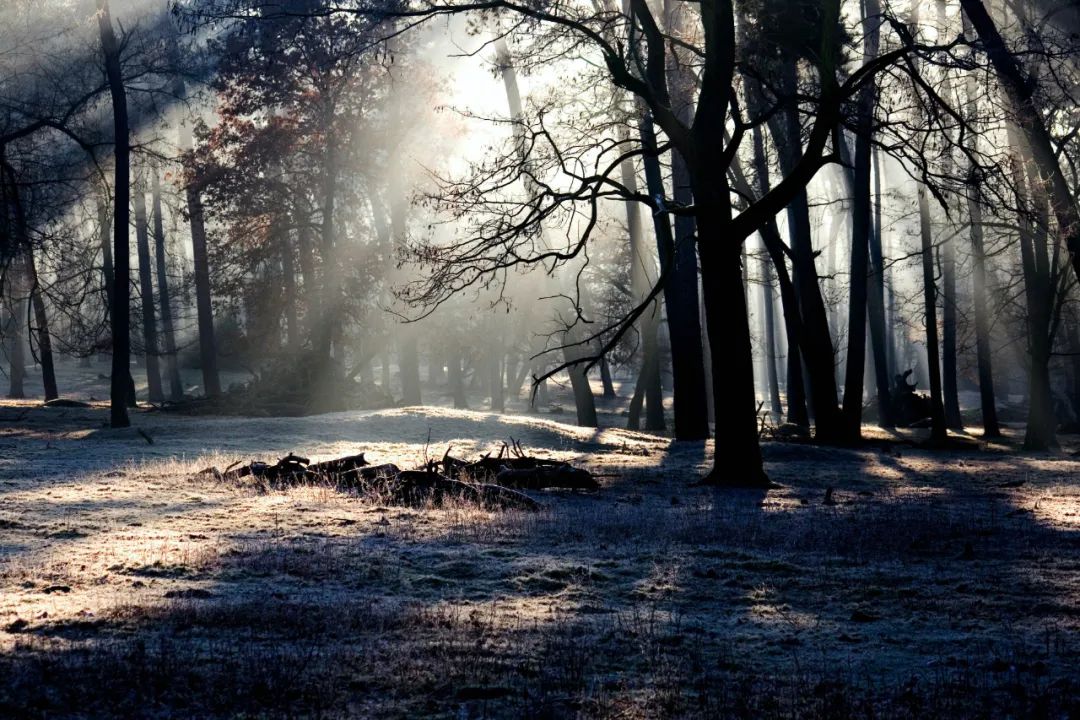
(937, 585)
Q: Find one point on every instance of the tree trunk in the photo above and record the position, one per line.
(861, 232)
(120, 310)
(16, 324)
(200, 257)
(605, 378)
(172, 368)
(26, 280)
(408, 351)
(45, 353)
(987, 401)
(816, 338)
(738, 460)
(690, 392)
(768, 332)
(937, 410)
(642, 272)
(879, 338)
(793, 325)
(1021, 91)
(146, 290)
(288, 287)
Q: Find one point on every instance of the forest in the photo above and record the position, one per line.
(540, 359)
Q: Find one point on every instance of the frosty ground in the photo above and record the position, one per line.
(937, 584)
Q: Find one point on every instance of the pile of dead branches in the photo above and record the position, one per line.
(490, 481)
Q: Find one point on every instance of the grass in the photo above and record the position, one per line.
(927, 590)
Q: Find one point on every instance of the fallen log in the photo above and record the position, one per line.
(542, 477)
(387, 482)
(361, 478)
(340, 465)
(66, 403)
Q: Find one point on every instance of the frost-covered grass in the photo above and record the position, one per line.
(131, 586)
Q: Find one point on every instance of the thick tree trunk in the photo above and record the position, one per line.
(816, 338)
(938, 433)
(738, 455)
(605, 378)
(688, 366)
(172, 367)
(146, 290)
(120, 305)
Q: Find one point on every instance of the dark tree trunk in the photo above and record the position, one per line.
(1039, 286)
(120, 305)
(861, 233)
(1021, 91)
(110, 283)
(937, 410)
(200, 258)
(45, 353)
(816, 338)
(146, 290)
(879, 339)
(688, 367)
(172, 368)
(793, 326)
(980, 299)
(16, 324)
(605, 378)
(642, 271)
(203, 302)
(26, 279)
(304, 251)
(769, 336)
(738, 454)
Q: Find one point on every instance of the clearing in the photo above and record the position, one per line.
(931, 584)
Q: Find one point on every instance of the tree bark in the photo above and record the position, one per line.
(16, 324)
(172, 368)
(938, 433)
(768, 332)
(146, 290)
(690, 391)
(41, 317)
(861, 232)
(879, 337)
(816, 338)
(200, 258)
(120, 305)
(1021, 92)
